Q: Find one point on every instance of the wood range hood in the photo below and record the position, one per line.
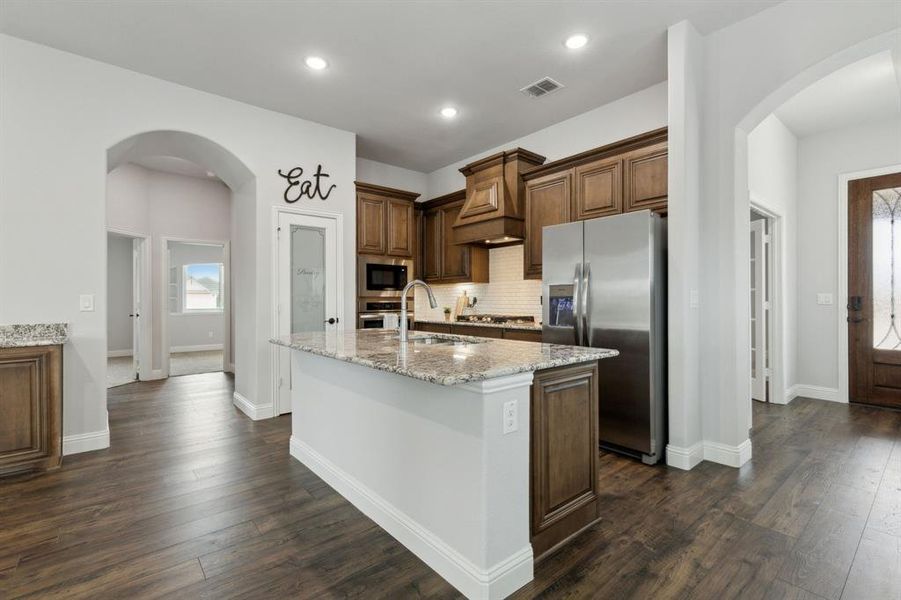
(493, 212)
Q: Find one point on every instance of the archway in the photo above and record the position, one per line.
(237, 282)
(804, 79)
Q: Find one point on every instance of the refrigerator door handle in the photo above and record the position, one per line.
(586, 305)
(577, 304)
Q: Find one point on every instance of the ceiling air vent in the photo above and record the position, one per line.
(542, 87)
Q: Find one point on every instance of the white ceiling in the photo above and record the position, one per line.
(393, 65)
(865, 91)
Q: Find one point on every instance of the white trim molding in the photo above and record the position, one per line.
(498, 581)
(685, 458)
(119, 353)
(250, 409)
(86, 442)
(816, 392)
(724, 454)
(197, 348)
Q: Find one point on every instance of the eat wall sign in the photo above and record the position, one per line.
(311, 187)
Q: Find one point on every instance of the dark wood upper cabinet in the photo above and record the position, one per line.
(598, 189)
(385, 221)
(431, 245)
(401, 233)
(445, 261)
(624, 176)
(547, 201)
(370, 224)
(30, 408)
(645, 175)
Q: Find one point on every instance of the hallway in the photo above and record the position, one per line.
(193, 499)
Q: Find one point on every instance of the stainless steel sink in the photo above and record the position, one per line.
(434, 340)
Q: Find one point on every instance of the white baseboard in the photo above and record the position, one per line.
(231, 368)
(731, 456)
(196, 348)
(154, 375)
(85, 442)
(814, 391)
(119, 353)
(250, 409)
(497, 582)
(685, 458)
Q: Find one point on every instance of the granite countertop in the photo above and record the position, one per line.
(521, 326)
(473, 359)
(33, 334)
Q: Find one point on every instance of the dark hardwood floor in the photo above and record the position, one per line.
(194, 500)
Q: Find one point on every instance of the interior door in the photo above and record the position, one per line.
(307, 285)
(136, 275)
(759, 308)
(874, 285)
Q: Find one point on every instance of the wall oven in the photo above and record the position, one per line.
(382, 276)
(371, 313)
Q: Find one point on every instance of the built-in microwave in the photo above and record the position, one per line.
(382, 275)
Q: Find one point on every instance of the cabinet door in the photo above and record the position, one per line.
(548, 201)
(455, 263)
(432, 327)
(599, 189)
(30, 408)
(477, 331)
(564, 453)
(645, 173)
(400, 228)
(522, 335)
(370, 224)
(431, 245)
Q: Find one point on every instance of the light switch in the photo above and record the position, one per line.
(824, 299)
(86, 303)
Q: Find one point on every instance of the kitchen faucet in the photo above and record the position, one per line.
(403, 305)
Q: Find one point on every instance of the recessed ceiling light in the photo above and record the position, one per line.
(316, 63)
(210, 174)
(448, 112)
(576, 41)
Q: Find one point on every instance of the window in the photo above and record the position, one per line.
(201, 287)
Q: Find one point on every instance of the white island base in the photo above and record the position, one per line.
(429, 463)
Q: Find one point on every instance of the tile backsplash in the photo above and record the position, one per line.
(507, 293)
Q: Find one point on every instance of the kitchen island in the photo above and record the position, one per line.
(479, 455)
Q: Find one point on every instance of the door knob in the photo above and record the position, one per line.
(331, 321)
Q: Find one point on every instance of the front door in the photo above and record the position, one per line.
(874, 290)
(307, 285)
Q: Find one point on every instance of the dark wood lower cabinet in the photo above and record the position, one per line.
(522, 335)
(564, 432)
(30, 408)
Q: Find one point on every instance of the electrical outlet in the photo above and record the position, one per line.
(824, 299)
(694, 299)
(511, 417)
(86, 303)
(211, 334)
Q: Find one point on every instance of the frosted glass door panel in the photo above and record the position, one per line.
(307, 279)
(886, 269)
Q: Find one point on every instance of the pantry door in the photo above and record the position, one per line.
(308, 275)
(874, 290)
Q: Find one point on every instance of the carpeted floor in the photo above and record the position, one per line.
(120, 370)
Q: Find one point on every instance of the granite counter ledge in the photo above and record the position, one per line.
(477, 360)
(24, 335)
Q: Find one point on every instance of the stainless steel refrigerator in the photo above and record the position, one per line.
(604, 285)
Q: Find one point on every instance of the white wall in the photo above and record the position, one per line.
(822, 158)
(119, 293)
(628, 116)
(370, 171)
(773, 183)
(190, 330)
(168, 205)
(69, 121)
